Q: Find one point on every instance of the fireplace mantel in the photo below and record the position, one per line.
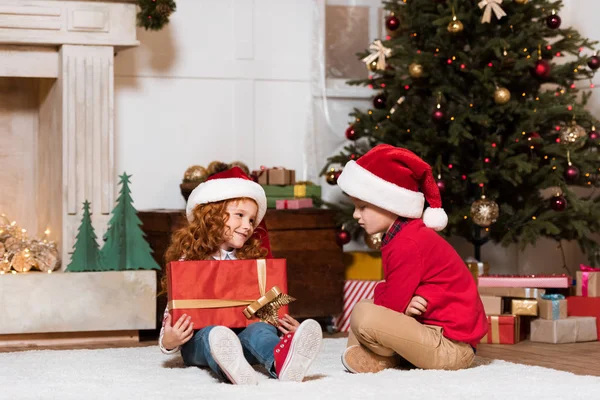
(68, 117)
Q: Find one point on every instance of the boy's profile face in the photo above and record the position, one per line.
(372, 218)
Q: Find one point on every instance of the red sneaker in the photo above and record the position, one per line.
(296, 351)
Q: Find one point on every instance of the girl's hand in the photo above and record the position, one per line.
(178, 334)
(417, 307)
(288, 324)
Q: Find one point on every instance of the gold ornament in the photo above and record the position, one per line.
(484, 212)
(372, 66)
(269, 312)
(240, 165)
(195, 173)
(373, 241)
(455, 26)
(573, 135)
(415, 70)
(521, 1)
(216, 167)
(501, 95)
(378, 53)
(330, 177)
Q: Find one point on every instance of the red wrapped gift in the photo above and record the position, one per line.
(578, 306)
(354, 291)
(293, 204)
(218, 292)
(503, 329)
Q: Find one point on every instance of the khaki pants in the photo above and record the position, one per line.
(387, 332)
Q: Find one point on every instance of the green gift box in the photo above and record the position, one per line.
(298, 191)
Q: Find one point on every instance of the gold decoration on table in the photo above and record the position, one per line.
(195, 173)
(484, 212)
(19, 253)
(378, 53)
(491, 5)
(216, 167)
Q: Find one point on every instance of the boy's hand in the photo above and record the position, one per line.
(288, 324)
(417, 307)
(179, 333)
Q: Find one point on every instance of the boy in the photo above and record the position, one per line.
(450, 321)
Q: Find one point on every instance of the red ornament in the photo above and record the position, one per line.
(594, 62)
(571, 173)
(379, 101)
(553, 21)
(350, 133)
(438, 115)
(392, 23)
(593, 135)
(542, 69)
(534, 139)
(342, 237)
(558, 203)
(353, 156)
(441, 185)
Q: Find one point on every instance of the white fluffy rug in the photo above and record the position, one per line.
(145, 373)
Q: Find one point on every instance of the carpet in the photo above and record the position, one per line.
(145, 373)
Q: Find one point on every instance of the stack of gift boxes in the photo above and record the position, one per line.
(282, 190)
(541, 307)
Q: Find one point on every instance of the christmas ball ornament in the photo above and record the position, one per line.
(438, 115)
(415, 70)
(330, 177)
(351, 133)
(501, 96)
(337, 174)
(534, 140)
(216, 167)
(542, 69)
(195, 173)
(484, 212)
(571, 173)
(342, 237)
(593, 135)
(558, 203)
(455, 26)
(553, 21)
(241, 166)
(379, 101)
(373, 241)
(372, 66)
(594, 62)
(392, 23)
(572, 136)
(441, 184)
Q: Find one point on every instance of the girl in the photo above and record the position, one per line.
(223, 213)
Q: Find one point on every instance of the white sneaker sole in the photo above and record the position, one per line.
(304, 348)
(226, 349)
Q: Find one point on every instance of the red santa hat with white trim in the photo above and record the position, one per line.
(396, 180)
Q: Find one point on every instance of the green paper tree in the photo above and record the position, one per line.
(125, 246)
(86, 249)
(497, 108)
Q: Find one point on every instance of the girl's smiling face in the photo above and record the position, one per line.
(240, 224)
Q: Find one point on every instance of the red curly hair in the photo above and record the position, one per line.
(202, 237)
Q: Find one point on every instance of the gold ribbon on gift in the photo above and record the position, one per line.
(495, 322)
(299, 191)
(274, 295)
(491, 5)
(378, 52)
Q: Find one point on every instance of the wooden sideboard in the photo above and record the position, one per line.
(305, 238)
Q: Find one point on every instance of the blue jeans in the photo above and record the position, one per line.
(258, 342)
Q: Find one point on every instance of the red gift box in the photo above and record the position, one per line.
(579, 306)
(354, 291)
(502, 329)
(217, 292)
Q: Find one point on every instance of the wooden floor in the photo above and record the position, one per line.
(578, 358)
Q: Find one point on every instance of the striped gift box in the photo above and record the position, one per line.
(354, 291)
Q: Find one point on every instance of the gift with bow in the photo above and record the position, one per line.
(231, 293)
(588, 281)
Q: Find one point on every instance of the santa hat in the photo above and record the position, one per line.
(396, 180)
(230, 184)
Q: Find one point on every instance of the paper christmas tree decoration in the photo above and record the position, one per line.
(86, 249)
(125, 246)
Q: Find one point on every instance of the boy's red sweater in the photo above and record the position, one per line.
(417, 261)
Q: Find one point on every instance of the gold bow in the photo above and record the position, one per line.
(378, 52)
(491, 5)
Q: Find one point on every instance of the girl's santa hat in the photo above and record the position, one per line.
(396, 180)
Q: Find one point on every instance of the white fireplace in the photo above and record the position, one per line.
(57, 111)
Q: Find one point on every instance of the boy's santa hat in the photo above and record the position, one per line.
(230, 184)
(396, 180)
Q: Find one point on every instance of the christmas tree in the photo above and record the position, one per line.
(86, 249)
(492, 95)
(125, 247)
